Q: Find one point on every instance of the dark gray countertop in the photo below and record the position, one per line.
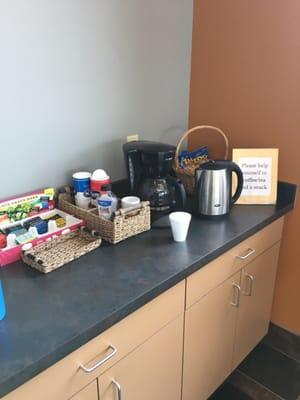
(49, 316)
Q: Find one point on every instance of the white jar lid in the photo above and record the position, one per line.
(130, 201)
(81, 175)
(99, 174)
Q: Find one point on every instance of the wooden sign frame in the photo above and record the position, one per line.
(260, 171)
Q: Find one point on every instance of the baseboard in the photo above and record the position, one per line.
(283, 341)
(250, 387)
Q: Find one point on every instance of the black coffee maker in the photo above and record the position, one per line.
(149, 168)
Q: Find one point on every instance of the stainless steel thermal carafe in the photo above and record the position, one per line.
(214, 187)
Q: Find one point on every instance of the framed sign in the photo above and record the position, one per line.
(260, 171)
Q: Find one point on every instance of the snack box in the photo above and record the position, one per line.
(24, 211)
(31, 204)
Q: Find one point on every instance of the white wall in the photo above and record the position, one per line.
(77, 76)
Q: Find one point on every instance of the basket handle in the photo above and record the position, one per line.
(64, 189)
(197, 128)
(131, 211)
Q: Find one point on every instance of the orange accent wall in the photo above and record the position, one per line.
(245, 79)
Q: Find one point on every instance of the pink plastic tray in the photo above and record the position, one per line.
(28, 206)
(9, 255)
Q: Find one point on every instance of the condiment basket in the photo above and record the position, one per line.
(124, 225)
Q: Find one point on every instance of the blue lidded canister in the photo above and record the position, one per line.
(2, 303)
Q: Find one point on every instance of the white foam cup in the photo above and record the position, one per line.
(180, 222)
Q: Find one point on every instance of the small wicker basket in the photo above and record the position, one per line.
(187, 175)
(48, 256)
(126, 223)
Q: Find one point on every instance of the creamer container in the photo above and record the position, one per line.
(81, 181)
(98, 180)
(107, 202)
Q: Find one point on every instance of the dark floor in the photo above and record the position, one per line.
(270, 372)
(229, 392)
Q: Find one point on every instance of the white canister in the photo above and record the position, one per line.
(130, 202)
(82, 200)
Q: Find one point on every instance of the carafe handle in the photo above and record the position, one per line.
(240, 181)
(179, 190)
(196, 194)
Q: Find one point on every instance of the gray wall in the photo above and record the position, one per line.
(78, 76)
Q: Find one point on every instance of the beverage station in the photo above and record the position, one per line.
(186, 246)
(159, 195)
(147, 239)
(166, 186)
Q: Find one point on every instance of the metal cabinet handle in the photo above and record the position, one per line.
(250, 279)
(237, 292)
(101, 362)
(249, 253)
(118, 389)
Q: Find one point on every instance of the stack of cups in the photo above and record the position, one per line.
(81, 183)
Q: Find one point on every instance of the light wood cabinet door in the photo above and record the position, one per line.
(152, 371)
(257, 287)
(209, 340)
(90, 392)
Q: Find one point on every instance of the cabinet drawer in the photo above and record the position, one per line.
(66, 378)
(217, 271)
